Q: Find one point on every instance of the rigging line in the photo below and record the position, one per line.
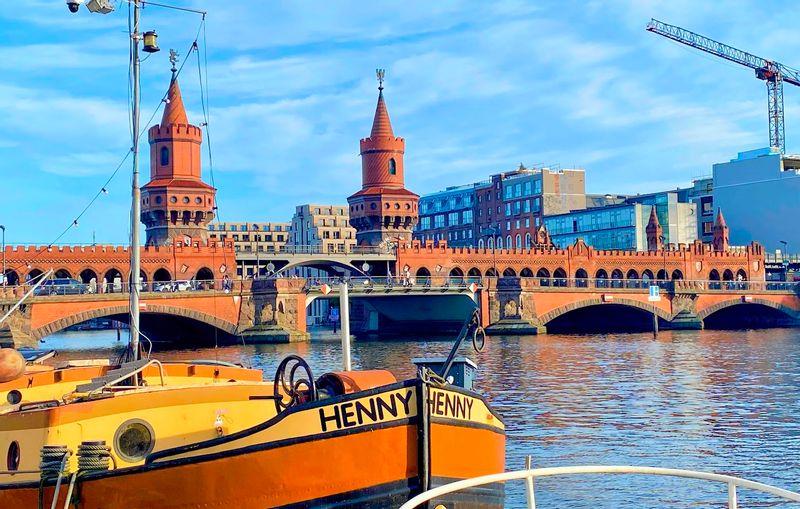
(104, 188)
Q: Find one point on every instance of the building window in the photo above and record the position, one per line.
(528, 188)
(452, 218)
(519, 241)
(438, 221)
(164, 156)
(211, 227)
(527, 222)
(508, 209)
(425, 223)
(509, 245)
(708, 228)
(508, 225)
(527, 207)
(466, 216)
(392, 167)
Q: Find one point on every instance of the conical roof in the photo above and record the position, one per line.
(720, 219)
(381, 126)
(653, 221)
(174, 111)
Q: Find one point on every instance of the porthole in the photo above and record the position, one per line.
(386, 205)
(173, 199)
(134, 440)
(12, 458)
(185, 199)
(373, 206)
(158, 199)
(13, 397)
(198, 200)
(397, 206)
(408, 206)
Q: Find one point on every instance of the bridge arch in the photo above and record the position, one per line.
(75, 319)
(509, 272)
(162, 275)
(526, 272)
(474, 272)
(320, 262)
(710, 310)
(581, 278)
(649, 308)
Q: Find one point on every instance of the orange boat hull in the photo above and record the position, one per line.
(368, 464)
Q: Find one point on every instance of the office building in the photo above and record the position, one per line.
(267, 237)
(322, 229)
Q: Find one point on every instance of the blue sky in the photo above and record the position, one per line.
(474, 87)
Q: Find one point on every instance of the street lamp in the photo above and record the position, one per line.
(784, 260)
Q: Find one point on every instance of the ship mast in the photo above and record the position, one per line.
(135, 193)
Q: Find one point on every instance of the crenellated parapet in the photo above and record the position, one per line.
(682, 262)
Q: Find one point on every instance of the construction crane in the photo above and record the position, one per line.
(774, 73)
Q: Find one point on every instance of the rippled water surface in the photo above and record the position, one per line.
(722, 401)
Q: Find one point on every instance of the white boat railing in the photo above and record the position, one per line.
(529, 475)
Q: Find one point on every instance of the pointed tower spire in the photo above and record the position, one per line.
(721, 233)
(381, 125)
(655, 234)
(174, 111)
(383, 211)
(176, 203)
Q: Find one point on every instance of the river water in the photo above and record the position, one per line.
(721, 401)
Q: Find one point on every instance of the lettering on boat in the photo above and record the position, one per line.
(372, 410)
(450, 404)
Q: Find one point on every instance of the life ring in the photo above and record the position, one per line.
(478, 339)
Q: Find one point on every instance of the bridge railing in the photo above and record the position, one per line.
(391, 282)
(320, 250)
(75, 287)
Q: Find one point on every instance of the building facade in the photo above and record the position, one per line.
(265, 237)
(759, 192)
(701, 194)
(448, 215)
(623, 226)
(383, 211)
(176, 203)
(321, 229)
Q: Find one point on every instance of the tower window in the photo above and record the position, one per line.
(392, 167)
(164, 156)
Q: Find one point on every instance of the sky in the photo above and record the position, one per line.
(474, 87)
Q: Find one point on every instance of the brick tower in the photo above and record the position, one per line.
(176, 203)
(721, 233)
(383, 210)
(655, 234)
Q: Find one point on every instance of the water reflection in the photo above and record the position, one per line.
(723, 401)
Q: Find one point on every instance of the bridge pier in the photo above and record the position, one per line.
(275, 312)
(685, 320)
(511, 307)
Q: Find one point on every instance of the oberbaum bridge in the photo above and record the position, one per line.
(415, 288)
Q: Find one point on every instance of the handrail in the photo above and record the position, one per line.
(528, 475)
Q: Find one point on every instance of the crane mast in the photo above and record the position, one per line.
(773, 73)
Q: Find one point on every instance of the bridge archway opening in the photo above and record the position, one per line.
(560, 277)
(112, 281)
(491, 272)
(165, 330)
(204, 274)
(34, 274)
(616, 278)
(581, 278)
(87, 275)
(509, 272)
(601, 277)
(632, 279)
(647, 276)
(602, 318)
(741, 275)
(423, 272)
(727, 275)
(474, 272)
(662, 275)
(747, 316)
(11, 277)
(162, 275)
(62, 274)
(526, 272)
(544, 277)
(677, 275)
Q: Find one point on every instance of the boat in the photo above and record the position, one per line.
(345, 439)
(143, 433)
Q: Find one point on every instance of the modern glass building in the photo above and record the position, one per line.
(622, 226)
(447, 215)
